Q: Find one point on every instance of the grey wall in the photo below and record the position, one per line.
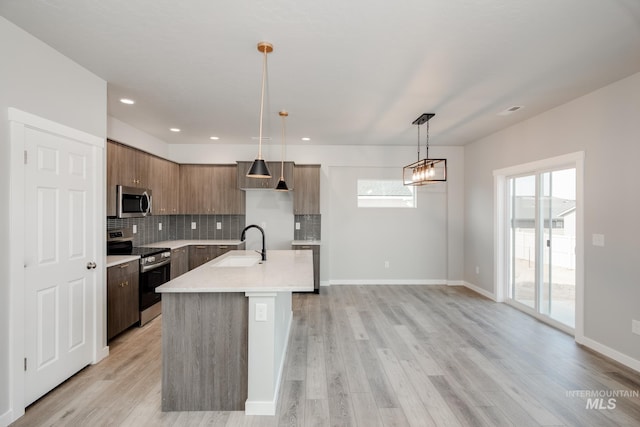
(37, 79)
(605, 125)
(412, 240)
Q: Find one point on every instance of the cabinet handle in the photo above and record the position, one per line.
(124, 265)
(125, 283)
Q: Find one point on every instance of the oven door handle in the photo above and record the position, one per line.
(146, 268)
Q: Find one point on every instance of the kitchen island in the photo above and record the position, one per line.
(225, 329)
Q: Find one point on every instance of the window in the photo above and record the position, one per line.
(381, 193)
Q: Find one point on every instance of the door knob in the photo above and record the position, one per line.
(91, 265)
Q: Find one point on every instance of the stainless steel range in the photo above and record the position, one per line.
(155, 270)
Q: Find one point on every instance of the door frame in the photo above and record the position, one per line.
(18, 121)
(501, 237)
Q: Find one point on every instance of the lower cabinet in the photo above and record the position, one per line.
(122, 298)
(201, 254)
(316, 263)
(179, 261)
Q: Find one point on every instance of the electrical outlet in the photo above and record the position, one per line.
(386, 264)
(635, 327)
(193, 225)
(261, 312)
(477, 269)
(134, 229)
(297, 226)
(218, 226)
(159, 226)
(263, 225)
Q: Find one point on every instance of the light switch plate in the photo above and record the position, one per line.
(597, 239)
(134, 229)
(261, 312)
(159, 226)
(193, 225)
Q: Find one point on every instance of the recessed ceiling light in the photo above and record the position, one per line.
(306, 138)
(510, 110)
(127, 101)
(215, 138)
(174, 130)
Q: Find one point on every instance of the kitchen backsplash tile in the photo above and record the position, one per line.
(310, 227)
(178, 227)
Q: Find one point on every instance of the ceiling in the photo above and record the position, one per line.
(349, 72)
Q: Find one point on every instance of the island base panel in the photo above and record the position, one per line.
(204, 351)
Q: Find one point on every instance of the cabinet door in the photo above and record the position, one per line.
(201, 254)
(195, 189)
(173, 188)
(179, 262)
(228, 198)
(306, 197)
(122, 298)
(163, 183)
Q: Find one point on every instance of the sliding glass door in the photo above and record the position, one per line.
(542, 234)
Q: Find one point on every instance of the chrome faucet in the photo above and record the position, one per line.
(242, 238)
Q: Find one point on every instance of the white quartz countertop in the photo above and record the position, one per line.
(175, 244)
(113, 260)
(284, 270)
(306, 242)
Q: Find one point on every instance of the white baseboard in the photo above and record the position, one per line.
(260, 407)
(455, 282)
(388, 282)
(6, 418)
(481, 291)
(622, 358)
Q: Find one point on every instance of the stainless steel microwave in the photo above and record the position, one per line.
(132, 202)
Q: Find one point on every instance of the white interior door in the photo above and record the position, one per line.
(60, 275)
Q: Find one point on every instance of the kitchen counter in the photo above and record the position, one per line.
(306, 242)
(113, 260)
(283, 271)
(175, 244)
(225, 331)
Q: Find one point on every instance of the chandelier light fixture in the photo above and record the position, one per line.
(259, 168)
(425, 171)
(282, 185)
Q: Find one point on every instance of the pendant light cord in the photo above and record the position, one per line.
(283, 149)
(264, 73)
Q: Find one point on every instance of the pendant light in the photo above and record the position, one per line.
(259, 168)
(425, 171)
(282, 186)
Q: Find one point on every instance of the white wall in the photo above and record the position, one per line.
(336, 158)
(120, 131)
(37, 79)
(604, 124)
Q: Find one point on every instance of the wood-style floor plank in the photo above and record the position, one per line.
(375, 356)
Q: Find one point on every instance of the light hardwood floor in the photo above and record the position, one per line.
(376, 356)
